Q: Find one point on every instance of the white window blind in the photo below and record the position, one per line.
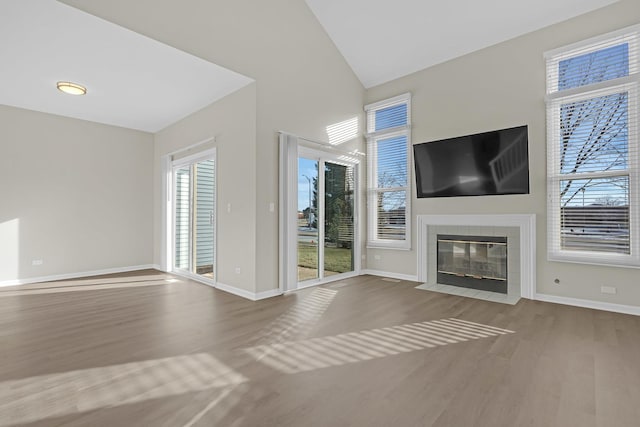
(388, 142)
(593, 166)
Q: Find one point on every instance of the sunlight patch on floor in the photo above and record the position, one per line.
(42, 397)
(299, 319)
(100, 280)
(318, 353)
(217, 409)
(48, 288)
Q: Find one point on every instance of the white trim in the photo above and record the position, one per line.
(388, 244)
(399, 99)
(246, 294)
(596, 305)
(391, 275)
(372, 240)
(554, 251)
(593, 90)
(554, 100)
(290, 152)
(321, 214)
(525, 222)
(288, 199)
(192, 146)
(235, 291)
(390, 133)
(166, 237)
(167, 165)
(194, 158)
(169, 203)
(78, 275)
(325, 145)
(267, 294)
(570, 50)
(317, 153)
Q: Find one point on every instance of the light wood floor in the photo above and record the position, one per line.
(150, 349)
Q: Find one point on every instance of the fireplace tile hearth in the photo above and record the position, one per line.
(471, 293)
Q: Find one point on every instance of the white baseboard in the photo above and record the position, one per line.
(598, 305)
(391, 275)
(235, 291)
(268, 294)
(253, 296)
(67, 276)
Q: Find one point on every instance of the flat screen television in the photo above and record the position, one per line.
(487, 163)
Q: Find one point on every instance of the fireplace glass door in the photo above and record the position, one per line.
(473, 262)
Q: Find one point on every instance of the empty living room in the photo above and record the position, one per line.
(319, 213)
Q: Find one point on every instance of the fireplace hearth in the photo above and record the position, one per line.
(476, 262)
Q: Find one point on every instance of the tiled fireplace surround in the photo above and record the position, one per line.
(519, 229)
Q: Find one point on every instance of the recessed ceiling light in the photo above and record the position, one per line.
(71, 88)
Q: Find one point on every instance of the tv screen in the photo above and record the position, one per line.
(486, 163)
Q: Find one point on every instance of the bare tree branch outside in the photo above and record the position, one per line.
(594, 154)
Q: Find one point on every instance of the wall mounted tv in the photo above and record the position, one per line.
(486, 163)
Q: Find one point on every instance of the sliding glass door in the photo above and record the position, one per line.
(338, 218)
(194, 216)
(308, 233)
(325, 219)
(182, 234)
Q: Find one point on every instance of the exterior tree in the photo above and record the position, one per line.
(593, 131)
(338, 204)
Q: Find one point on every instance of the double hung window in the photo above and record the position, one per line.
(592, 125)
(389, 195)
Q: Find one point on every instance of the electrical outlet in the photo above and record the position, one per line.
(608, 290)
(37, 262)
(272, 207)
(228, 207)
(238, 270)
(376, 257)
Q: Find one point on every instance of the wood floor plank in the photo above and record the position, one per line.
(151, 349)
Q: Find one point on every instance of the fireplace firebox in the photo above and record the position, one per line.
(476, 262)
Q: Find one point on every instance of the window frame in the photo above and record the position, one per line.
(555, 98)
(373, 137)
(171, 203)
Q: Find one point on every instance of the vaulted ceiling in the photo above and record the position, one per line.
(136, 82)
(383, 40)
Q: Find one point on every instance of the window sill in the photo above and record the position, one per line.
(602, 260)
(403, 247)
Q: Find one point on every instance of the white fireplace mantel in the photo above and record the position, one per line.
(526, 223)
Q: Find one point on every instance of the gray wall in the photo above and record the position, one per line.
(232, 122)
(303, 85)
(499, 87)
(75, 194)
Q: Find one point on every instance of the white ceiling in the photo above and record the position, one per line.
(132, 81)
(136, 82)
(383, 40)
